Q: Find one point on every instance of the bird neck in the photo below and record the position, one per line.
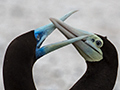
(18, 78)
(99, 76)
(18, 63)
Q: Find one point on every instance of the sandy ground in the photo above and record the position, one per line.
(60, 69)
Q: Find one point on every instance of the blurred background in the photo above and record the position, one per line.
(60, 69)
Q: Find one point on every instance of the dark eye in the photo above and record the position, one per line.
(98, 43)
(38, 37)
(92, 40)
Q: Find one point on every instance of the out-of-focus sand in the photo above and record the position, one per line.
(60, 69)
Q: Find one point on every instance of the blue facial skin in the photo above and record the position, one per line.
(40, 35)
(40, 52)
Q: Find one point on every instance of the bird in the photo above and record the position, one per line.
(100, 55)
(24, 51)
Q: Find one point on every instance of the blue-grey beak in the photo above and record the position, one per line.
(41, 34)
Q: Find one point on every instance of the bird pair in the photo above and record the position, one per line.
(98, 52)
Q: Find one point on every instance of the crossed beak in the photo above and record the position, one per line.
(89, 47)
(43, 32)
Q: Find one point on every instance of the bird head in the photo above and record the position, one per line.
(41, 34)
(89, 47)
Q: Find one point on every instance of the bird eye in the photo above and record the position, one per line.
(99, 43)
(38, 37)
(93, 40)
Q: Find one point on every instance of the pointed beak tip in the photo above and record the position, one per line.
(52, 19)
(76, 11)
